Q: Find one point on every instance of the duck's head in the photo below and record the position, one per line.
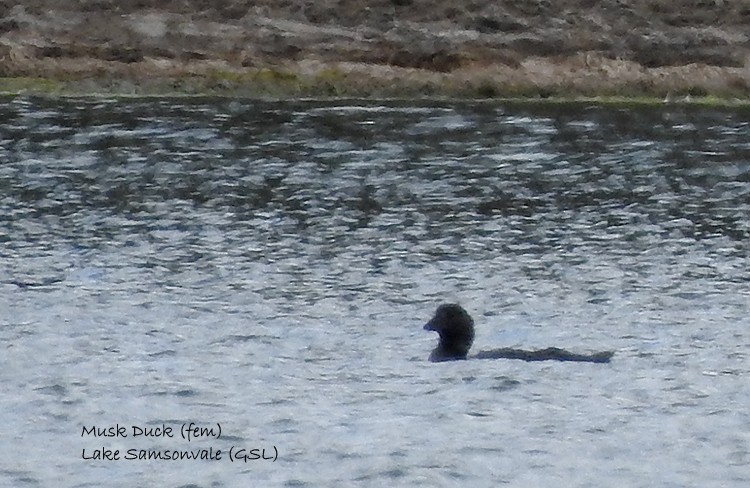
(456, 329)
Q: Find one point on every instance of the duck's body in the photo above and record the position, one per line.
(456, 329)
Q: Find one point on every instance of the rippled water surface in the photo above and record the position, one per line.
(267, 266)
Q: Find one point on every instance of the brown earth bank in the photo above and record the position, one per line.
(476, 48)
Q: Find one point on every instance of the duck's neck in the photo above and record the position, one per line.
(450, 350)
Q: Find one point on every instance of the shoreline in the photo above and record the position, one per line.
(480, 49)
(271, 84)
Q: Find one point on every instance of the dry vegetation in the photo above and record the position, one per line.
(381, 47)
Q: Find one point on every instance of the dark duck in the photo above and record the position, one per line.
(456, 329)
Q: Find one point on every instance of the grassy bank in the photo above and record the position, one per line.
(542, 80)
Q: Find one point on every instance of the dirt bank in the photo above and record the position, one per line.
(379, 47)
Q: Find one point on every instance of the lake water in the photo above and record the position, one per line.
(266, 268)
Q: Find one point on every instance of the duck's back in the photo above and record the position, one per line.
(548, 354)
